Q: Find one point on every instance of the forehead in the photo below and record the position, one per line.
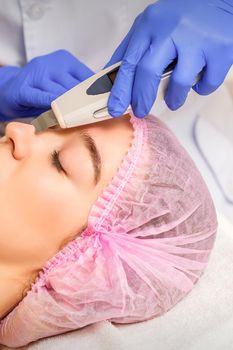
(105, 124)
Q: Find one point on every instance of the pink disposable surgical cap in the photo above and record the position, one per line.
(148, 240)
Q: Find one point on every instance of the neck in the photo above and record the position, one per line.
(10, 296)
(11, 290)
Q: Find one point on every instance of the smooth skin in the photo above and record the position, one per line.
(43, 207)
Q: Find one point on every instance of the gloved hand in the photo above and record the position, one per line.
(197, 32)
(29, 91)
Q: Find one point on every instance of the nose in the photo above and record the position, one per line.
(21, 135)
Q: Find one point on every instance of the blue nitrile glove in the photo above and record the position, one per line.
(197, 32)
(29, 91)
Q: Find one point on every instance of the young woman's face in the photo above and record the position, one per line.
(44, 203)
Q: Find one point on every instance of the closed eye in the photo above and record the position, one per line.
(56, 162)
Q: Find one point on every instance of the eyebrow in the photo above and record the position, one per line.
(94, 153)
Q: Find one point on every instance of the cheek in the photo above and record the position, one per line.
(57, 206)
(40, 213)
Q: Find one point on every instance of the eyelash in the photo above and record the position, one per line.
(56, 162)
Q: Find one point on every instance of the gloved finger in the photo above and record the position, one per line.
(188, 67)
(36, 98)
(50, 86)
(121, 49)
(67, 81)
(148, 74)
(80, 71)
(213, 76)
(121, 92)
